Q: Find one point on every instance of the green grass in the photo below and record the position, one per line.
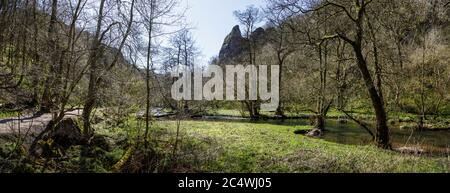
(240, 147)
(249, 147)
(8, 114)
(228, 112)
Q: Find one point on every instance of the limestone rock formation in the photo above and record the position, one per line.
(233, 45)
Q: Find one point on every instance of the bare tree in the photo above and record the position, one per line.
(249, 18)
(96, 53)
(354, 13)
(282, 41)
(52, 77)
(154, 16)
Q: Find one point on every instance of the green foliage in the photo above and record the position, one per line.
(8, 114)
(114, 156)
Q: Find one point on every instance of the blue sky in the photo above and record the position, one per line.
(213, 20)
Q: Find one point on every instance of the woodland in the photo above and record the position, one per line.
(85, 86)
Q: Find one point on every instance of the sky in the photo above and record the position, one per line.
(212, 21)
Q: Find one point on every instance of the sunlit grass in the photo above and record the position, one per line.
(250, 147)
(8, 114)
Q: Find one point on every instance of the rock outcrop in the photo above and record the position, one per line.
(235, 45)
(259, 36)
(66, 134)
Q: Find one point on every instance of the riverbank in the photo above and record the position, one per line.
(250, 147)
(226, 146)
(404, 121)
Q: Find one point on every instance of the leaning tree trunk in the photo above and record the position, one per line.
(382, 130)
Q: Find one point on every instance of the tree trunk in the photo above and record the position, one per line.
(94, 56)
(147, 77)
(382, 130)
(320, 122)
(280, 111)
(46, 103)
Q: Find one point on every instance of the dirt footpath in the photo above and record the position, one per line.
(30, 124)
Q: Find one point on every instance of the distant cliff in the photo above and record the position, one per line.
(235, 45)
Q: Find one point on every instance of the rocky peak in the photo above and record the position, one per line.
(235, 32)
(233, 45)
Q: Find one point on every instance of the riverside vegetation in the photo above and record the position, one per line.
(85, 86)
